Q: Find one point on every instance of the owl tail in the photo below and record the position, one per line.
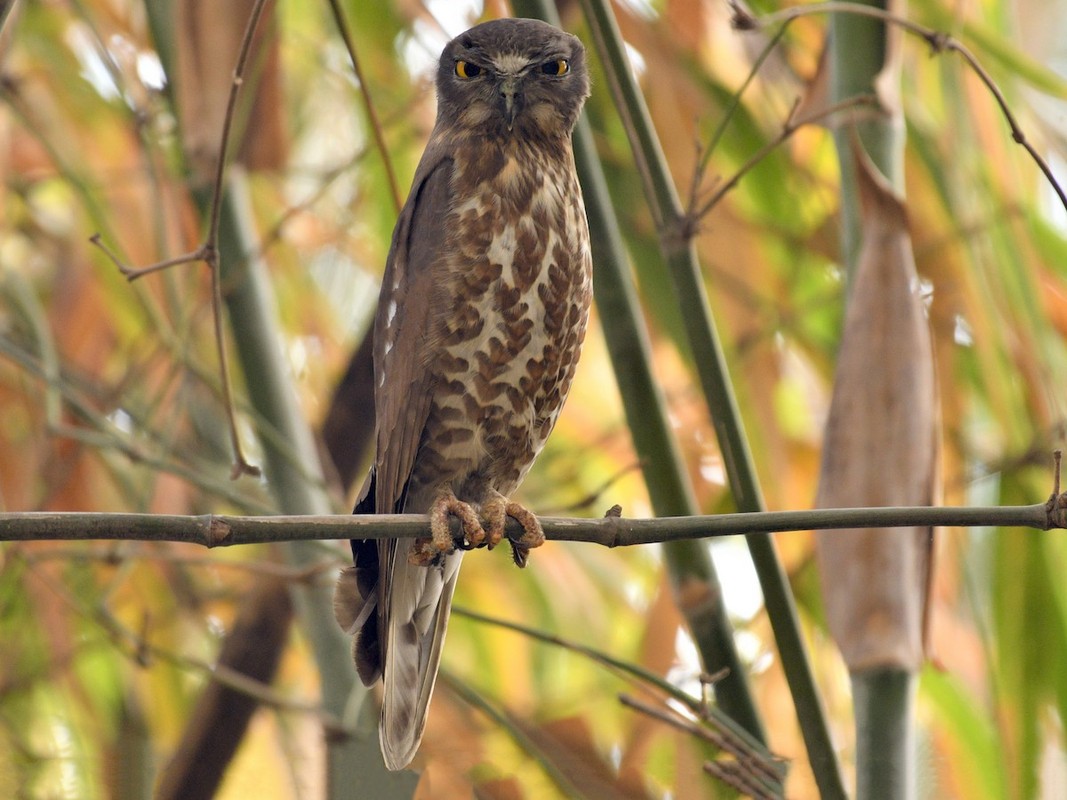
(417, 605)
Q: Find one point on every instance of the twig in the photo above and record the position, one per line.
(728, 113)
(758, 773)
(709, 357)
(133, 273)
(208, 252)
(218, 530)
(733, 775)
(593, 497)
(1057, 459)
(515, 728)
(939, 42)
(142, 651)
(1056, 507)
(789, 127)
(632, 671)
(740, 739)
(113, 555)
(368, 104)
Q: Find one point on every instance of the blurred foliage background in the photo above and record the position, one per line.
(110, 394)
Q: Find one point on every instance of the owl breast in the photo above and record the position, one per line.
(512, 322)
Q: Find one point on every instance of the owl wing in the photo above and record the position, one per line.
(403, 340)
(403, 640)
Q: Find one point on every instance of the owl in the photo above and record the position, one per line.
(480, 322)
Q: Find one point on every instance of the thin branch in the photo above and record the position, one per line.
(219, 530)
(728, 113)
(208, 252)
(789, 127)
(1057, 460)
(133, 273)
(112, 555)
(733, 775)
(755, 773)
(634, 672)
(368, 104)
(939, 42)
(742, 740)
(593, 497)
(227, 123)
(514, 727)
(142, 651)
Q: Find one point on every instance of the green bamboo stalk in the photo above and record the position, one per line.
(857, 55)
(884, 703)
(679, 250)
(688, 562)
(294, 476)
(132, 752)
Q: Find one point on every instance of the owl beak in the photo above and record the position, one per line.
(511, 95)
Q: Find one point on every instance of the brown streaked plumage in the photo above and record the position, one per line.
(479, 327)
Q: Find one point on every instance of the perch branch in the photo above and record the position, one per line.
(219, 530)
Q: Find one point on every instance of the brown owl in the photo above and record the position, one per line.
(480, 323)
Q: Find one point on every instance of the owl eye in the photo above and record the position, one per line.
(465, 70)
(560, 66)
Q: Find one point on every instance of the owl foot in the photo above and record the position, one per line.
(431, 552)
(496, 512)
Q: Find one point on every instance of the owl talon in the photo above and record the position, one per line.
(533, 535)
(431, 552)
(496, 512)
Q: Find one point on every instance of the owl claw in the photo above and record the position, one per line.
(496, 512)
(431, 552)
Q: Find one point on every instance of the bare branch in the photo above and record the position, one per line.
(208, 252)
(938, 41)
(136, 645)
(789, 127)
(755, 773)
(218, 530)
(133, 273)
(705, 152)
(118, 553)
(368, 105)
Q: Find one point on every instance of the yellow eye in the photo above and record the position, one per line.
(560, 66)
(465, 70)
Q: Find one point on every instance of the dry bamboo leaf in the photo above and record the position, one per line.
(816, 97)
(658, 654)
(209, 38)
(439, 781)
(568, 744)
(880, 444)
(501, 789)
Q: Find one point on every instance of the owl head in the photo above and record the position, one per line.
(512, 77)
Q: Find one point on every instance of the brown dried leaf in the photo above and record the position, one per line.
(209, 39)
(880, 447)
(657, 655)
(439, 780)
(568, 744)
